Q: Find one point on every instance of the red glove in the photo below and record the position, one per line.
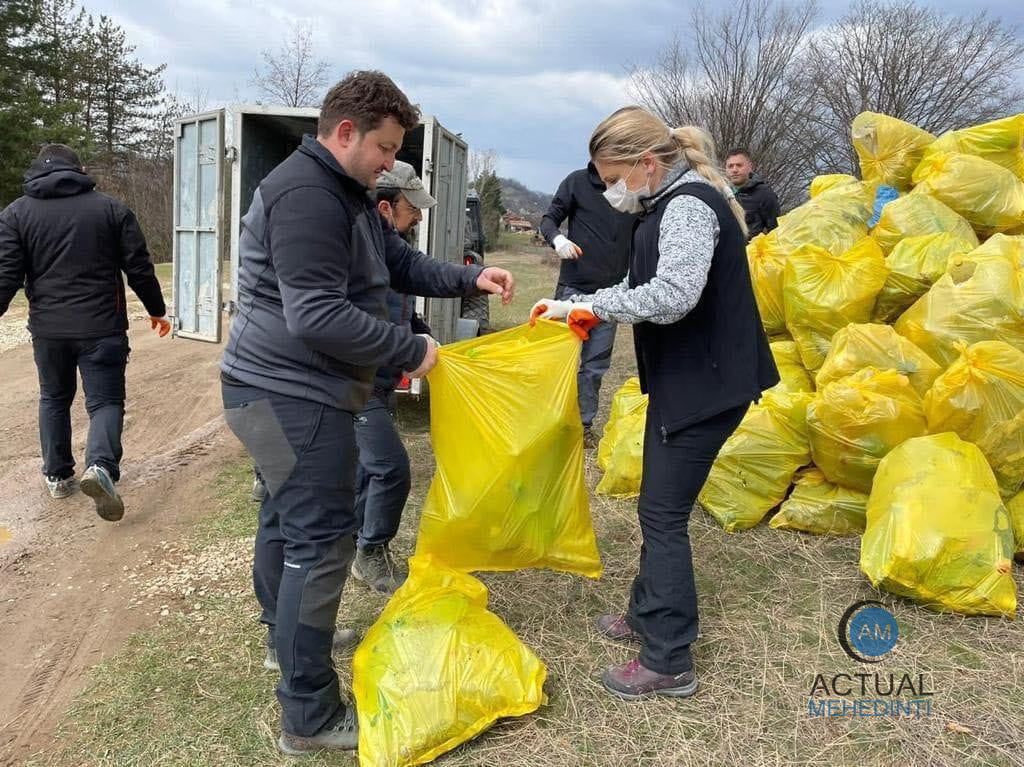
(162, 323)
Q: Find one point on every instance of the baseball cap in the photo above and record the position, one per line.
(403, 178)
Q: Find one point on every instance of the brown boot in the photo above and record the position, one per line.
(616, 628)
(633, 681)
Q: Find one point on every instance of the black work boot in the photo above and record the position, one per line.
(340, 735)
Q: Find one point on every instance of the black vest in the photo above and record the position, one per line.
(716, 357)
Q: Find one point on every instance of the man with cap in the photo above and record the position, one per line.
(384, 478)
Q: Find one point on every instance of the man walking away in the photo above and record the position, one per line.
(68, 245)
(759, 201)
(595, 255)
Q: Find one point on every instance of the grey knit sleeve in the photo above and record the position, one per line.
(686, 243)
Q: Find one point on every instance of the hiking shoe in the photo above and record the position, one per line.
(60, 488)
(633, 681)
(376, 568)
(259, 489)
(614, 627)
(590, 439)
(97, 484)
(340, 735)
(344, 639)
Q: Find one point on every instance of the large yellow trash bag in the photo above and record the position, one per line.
(821, 507)
(914, 215)
(827, 181)
(1001, 247)
(853, 423)
(977, 300)
(1016, 508)
(858, 346)
(915, 264)
(981, 398)
(437, 669)
(766, 261)
(621, 451)
(937, 531)
(756, 465)
(835, 220)
(509, 492)
(989, 196)
(792, 373)
(1000, 141)
(888, 149)
(824, 293)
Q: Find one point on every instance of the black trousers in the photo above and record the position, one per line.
(102, 364)
(663, 603)
(307, 455)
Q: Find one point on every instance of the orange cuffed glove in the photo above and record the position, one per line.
(161, 325)
(581, 320)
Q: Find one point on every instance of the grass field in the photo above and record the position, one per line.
(191, 691)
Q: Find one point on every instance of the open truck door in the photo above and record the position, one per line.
(198, 245)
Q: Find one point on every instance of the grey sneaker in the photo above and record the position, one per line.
(97, 484)
(376, 568)
(60, 488)
(590, 439)
(340, 735)
(344, 639)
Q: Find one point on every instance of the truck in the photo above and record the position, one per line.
(221, 156)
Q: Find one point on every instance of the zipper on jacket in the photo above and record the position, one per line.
(664, 435)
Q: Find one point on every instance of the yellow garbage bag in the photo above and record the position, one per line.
(823, 292)
(915, 264)
(794, 376)
(858, 346)
(989, 196)
(1016, 508)
(766, 261)
(976, 300)
(835, 220)
(820, 507)
(620, 453)
(437, 669)
(756, 465)
(981, 398)
(888, 149)
(1001, 247)
(914, 215)
(937, 531)
(853, 423)
(509, 492)
(827, 181)
(999, 141)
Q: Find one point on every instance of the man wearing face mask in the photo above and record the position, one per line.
(594, 255)
(384, 479)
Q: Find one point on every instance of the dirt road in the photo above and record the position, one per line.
(64, 589)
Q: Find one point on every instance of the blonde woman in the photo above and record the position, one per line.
(703, 358)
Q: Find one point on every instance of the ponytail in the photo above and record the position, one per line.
(697, 148)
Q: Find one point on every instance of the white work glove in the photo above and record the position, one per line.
(567, 249)
(550, 309)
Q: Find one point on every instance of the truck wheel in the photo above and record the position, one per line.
(477, 308)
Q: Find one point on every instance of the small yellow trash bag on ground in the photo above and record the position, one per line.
(1000, 141)
(621, 451)
(858, 346)
(756, 465)
(915, 264)
(937, 531)
(855, 421)
(888, 149)
(820, 507)
(437, 669)
(989, 196)
(915, 215)
(792, 373)
(981, 398)
(509, 492)
(825, 292)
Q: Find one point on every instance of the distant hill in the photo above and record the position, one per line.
(525, 202)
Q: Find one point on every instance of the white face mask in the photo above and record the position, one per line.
(626, 200)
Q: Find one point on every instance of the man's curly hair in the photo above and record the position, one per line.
(366, 97)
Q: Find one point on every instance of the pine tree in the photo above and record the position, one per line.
(491, 207)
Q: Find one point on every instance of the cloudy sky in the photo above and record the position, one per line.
(527, 78)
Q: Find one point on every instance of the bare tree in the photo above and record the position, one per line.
(292, 75)
(910, 61)
(740, 78)
(481, 162)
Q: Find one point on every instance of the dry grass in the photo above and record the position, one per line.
(770, 602)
